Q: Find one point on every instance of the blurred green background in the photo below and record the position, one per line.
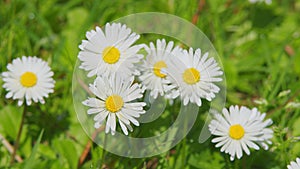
(258, 45)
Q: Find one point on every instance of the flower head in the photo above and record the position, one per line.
(239, 129)
(109, 51)
(28, 78)
(294, 164)
(195, 74)
(115, 98)
(153, 70)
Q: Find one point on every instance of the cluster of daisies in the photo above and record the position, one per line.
(122, 74)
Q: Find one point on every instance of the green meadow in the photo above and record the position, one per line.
(259, 50)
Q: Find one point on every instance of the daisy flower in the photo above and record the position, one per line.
(239, 129)
(153, 75)
(109, 51)
(28, 78)
(294, 164)
(265, 139)
(195, 74)
(115, 99)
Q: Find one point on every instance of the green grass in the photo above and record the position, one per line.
(258, 45)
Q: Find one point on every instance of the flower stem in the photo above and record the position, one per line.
(183, 151)
(88, 146)
(16, 145)
(103, 152)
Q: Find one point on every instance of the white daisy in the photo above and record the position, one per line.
(28, 78)
(194, 75)
(294, 164)
(115, 98)
(109, 51)
(267, 133)
(153, 75)
(240, 129)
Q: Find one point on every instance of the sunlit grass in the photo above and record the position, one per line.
(258, 45)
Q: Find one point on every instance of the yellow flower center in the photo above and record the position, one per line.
(157, 67)
(114, 103)
(236, 132)
(28, 79)
(111, 55)
(191, 76)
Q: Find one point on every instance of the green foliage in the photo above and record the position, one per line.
(10, 116)
(258, 45)
(31, 161)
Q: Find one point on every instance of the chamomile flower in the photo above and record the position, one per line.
(153, 75)
(115, 100)
(239, 129)
(109, 51)
(28, 78)
(195, 74)
(294, 164)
